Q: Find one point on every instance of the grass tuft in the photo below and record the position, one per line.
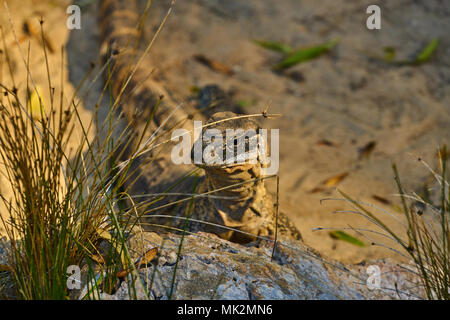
(65, 202)
(426, 239)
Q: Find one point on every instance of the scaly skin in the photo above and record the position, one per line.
(252, 209)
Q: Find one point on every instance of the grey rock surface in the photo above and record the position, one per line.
(212, 268)
(208, 267)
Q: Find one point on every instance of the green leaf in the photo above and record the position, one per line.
(305, 54)
(341, 235)
(246, 103)
(422, 57)
(426, 52)
(275, 46)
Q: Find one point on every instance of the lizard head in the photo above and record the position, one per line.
(227, 140)
(228, 148)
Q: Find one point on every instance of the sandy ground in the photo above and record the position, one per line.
(347, 98)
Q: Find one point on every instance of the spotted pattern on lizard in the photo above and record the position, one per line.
(250, 213)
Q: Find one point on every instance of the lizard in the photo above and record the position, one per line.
(249, 213)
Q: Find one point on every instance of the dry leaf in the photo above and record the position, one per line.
(334, 181)
(317, 189)
(325, 142)
(98, 258)
(141, 262)
(443, 154)
(214, 65)
(364, 152)
(330, 182)
(36, 104)
(296, 76)
(122, 274)
(4, 267)
(104, 234)
(146, 258)
(30, 28)
(381, 199)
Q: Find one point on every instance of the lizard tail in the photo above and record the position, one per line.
(130, 81)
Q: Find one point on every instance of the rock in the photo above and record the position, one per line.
(4, 247)
(213, 268)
